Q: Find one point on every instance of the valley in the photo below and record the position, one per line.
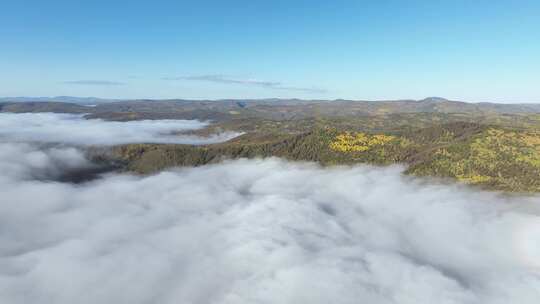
(492, 146)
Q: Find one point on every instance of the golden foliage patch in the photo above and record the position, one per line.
(359, 141)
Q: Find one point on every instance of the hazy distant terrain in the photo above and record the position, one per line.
(66, 99)
(268, 108)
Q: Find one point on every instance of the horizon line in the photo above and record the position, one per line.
(105, 99)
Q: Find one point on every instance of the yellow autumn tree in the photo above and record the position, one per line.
(359, 141)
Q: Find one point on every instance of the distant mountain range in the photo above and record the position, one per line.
(69, 99)
(96, 100)
(274, 109)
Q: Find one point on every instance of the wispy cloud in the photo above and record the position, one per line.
(246, 81)
(301, 89)
(94, 82)
(226, 79)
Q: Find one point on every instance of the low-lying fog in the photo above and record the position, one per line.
(74, 129)
(254, 231)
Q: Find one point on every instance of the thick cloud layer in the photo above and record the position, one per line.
(259, 231)
(74, 129)
(23, 161)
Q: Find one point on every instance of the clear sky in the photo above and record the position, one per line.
(467, 50)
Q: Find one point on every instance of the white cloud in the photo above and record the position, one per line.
(261, 231)
(20, 161)
(73, 129)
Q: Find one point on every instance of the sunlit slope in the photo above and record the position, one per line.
(489, 156)
(498, 158)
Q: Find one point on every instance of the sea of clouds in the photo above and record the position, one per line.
(74, 129)
(258, 231)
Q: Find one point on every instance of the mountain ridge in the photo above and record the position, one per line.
(91, 99)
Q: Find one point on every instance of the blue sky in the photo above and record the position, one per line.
(468, 50)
